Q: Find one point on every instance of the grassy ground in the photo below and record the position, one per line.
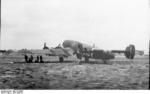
(116, 74)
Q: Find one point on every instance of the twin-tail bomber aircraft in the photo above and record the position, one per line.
(80, 50)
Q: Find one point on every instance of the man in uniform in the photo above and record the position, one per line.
(26, 58)
(37, 59)
(31, 58)
(41, 59)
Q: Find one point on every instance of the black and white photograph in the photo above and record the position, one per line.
(74, 44)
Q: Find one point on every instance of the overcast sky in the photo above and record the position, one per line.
(109, 24)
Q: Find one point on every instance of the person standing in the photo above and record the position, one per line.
(37, 59)
(31, 58)
(26, 58)
(41, 59)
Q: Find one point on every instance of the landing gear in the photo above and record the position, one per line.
(105, 61)
(86, 59)
(61, 59)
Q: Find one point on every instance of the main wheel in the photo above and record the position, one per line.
(87, 59)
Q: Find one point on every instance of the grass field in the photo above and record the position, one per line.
(119, 73)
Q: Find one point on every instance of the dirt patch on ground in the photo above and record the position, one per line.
(116, 75)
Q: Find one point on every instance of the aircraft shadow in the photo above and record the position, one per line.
(80, 62)
(96, 62)
(47, 62)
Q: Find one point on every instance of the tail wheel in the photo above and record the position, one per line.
(61, 59)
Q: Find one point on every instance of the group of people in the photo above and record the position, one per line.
(39, 59)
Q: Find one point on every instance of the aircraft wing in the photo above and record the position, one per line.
(138, 52)
(50, 52)
(35, 52)
(62, 52)
(41, 52)
(117, 51)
